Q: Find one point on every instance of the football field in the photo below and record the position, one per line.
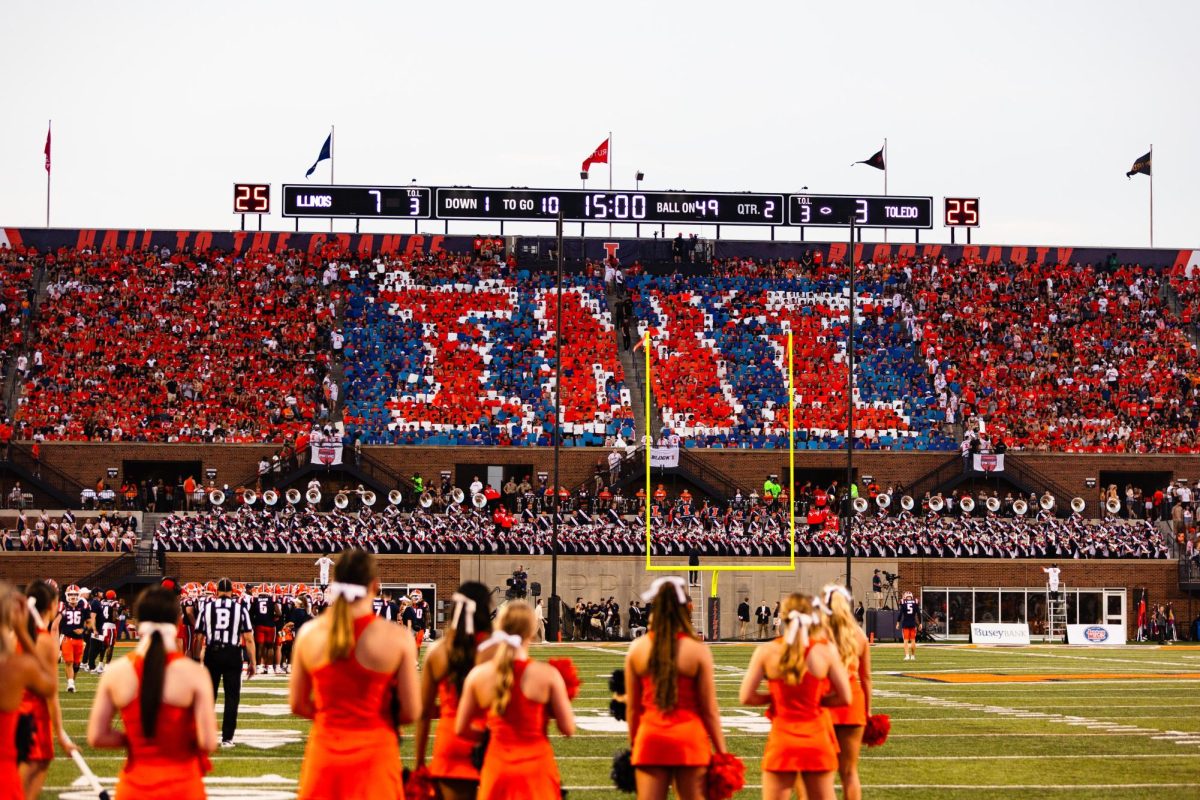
(1059, 722)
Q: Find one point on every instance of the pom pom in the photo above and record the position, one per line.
(480, 750)
(418, 784)
(617, 709)
(616, 681)
(726, 776)
(566, 668)
(622, 774)
(878, 727)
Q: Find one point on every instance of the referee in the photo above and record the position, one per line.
(224, 628)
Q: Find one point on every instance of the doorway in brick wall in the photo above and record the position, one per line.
(1147, 482)
(161, 482)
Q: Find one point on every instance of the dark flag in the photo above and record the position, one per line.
(876, 161)
(1141, 166)
(326, 152)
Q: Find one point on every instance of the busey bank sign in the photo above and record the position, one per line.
(1008, 633)
(1095, 634)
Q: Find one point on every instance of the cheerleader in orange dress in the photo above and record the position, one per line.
(166, 704)
(443, 673)
(672, 699)
(520, 696)
(22, 671)
(849, 721)
(45, 713)
(355, 676)
(801, 752)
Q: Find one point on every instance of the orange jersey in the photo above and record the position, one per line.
(42, 748)
(353, 749)
(671, 738)
(801, 737)
(10, 779)
(451, 752)
(167, 764)
(519, 764)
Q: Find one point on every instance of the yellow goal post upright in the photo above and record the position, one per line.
(715, 569)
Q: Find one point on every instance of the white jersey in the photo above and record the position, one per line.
(1052, 577)
(324, 563)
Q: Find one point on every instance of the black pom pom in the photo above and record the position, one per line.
(616, 682)
(480, 750)
(622, 774)
(617, 709)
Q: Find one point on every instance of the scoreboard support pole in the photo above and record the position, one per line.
(848, 507)
(554, 632)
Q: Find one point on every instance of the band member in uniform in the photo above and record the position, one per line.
(801, 750)
(519, 695)
(73, 628)
(446, 666)
(672, 699)
(849, 721)
(45, 713)
(22, 671)
(166, 704)
(909, 622)
(264, 612)
(356, 678)
(224, 628)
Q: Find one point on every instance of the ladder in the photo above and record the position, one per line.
(696, 593)
(1056, 615)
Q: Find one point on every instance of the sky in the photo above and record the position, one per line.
(1037, 108)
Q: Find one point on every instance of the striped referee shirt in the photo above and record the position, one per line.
(223, 621)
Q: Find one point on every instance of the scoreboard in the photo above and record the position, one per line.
(866, 211)
(585, 205)
(579, 205)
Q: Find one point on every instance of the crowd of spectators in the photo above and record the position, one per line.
(721, 363)
(440, 348)
(154, 345)
(447, 350)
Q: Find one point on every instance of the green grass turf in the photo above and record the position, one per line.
(949, 740)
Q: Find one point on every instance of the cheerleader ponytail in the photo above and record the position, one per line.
(842, 624)
(354, 571)
(669, 619)
(157, 611)
(798, 617)
(516, 624)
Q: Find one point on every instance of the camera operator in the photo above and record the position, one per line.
(520, 582)
(877, 590)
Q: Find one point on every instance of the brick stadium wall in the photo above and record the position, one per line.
(86, 462)
(594, 577)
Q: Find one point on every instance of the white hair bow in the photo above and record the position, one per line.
(674, 580)
(33, 612)
(799, 624)
(168, 631)
(461, 602)
(500, 637)
(350, 591)
(833, 589)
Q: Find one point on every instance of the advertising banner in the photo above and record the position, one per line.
(1006, 633)
(1095, 634)
(664, 457)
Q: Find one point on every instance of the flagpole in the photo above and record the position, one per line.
(1152, 195)
(885, 169)
(610, 173)
(49, 161)
(331, 178)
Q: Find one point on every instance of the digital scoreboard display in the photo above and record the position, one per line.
(359, 202)
(252, 198)
(962, 212)
(580, 205)
(866, 211)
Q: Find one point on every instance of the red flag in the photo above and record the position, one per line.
(598, 157)
(47, 148)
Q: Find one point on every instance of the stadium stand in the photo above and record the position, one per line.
(186, 347)
(463, 354)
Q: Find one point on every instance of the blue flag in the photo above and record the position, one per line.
(326, 152)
